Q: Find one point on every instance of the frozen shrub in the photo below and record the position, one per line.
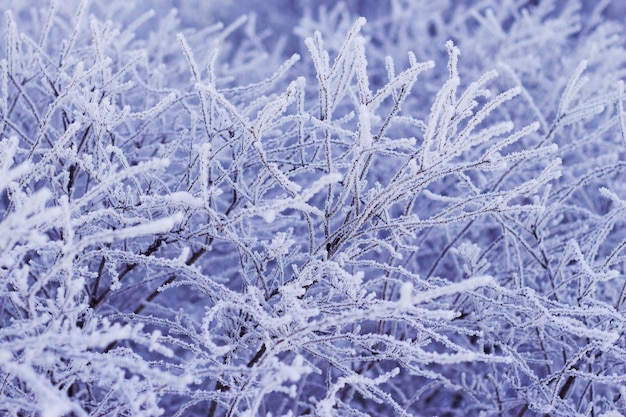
(193, 221)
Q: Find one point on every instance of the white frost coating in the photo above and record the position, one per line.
(296, 370)
(406, 296)
(155, 227)
(50, 401)
(319, 185)
(365, 128)
(282, 179)
(385, 188)
(280, 244)
(299, 201)
(466, 285)
(268, 215)
(186, 198)
(184, 254)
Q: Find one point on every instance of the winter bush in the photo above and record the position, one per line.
(305, 212)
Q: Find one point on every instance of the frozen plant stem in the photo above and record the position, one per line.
(304, 212)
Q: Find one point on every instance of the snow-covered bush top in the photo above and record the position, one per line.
(304, 212)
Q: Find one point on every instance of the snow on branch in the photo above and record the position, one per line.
(304, 211)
